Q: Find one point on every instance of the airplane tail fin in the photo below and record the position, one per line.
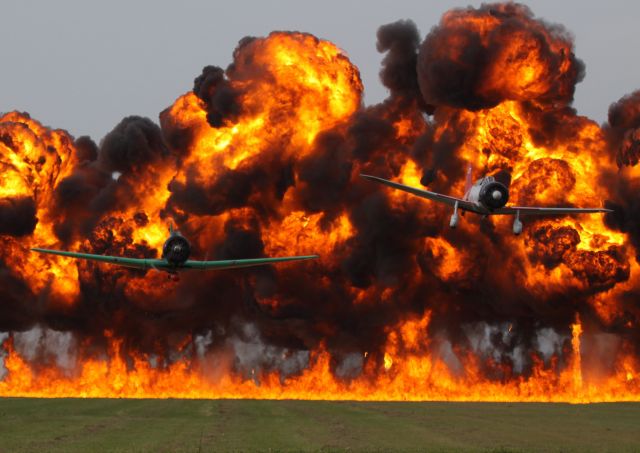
(469, 182)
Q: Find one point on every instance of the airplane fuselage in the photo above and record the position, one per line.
(488, 194)
(176, 250)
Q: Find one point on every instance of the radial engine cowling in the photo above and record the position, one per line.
(176, 250)
(494, 195)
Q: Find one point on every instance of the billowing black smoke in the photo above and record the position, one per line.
(134, 144)
(219, 97)
(462, 66)
(17, 216)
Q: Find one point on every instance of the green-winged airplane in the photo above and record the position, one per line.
(175, 258)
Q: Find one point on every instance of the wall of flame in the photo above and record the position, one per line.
(263, 158)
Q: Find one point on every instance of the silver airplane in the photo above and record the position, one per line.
(485, 197)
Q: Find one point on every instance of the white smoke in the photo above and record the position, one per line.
(495, 341)
(247, 354)
(48, 344)
(202, 343)
(350, 367)
(548, 342)
(447, 354)
(3, 369)
(252, 355)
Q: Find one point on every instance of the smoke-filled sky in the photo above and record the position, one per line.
(84, 65)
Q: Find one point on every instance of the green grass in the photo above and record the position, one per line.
(96, 425)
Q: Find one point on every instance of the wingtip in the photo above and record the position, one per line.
(308, 257)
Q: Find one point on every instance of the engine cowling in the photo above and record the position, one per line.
(493, 195)
(176, 250)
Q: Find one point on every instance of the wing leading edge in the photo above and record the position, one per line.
(137, 263)
(236, 264)
(446, 199)
(532, 210)
(160, 264)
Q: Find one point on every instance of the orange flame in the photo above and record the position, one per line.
(307, 94)
(417, 375)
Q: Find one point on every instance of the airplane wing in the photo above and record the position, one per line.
(446, 199)
(531, 210)
(236, 264)
(160, 264)
(137, 263)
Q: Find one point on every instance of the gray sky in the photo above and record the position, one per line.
(84, 65)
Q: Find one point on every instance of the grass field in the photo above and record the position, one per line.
(76, 425)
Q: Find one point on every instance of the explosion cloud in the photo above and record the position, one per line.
(478, 58)
(263, 158)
